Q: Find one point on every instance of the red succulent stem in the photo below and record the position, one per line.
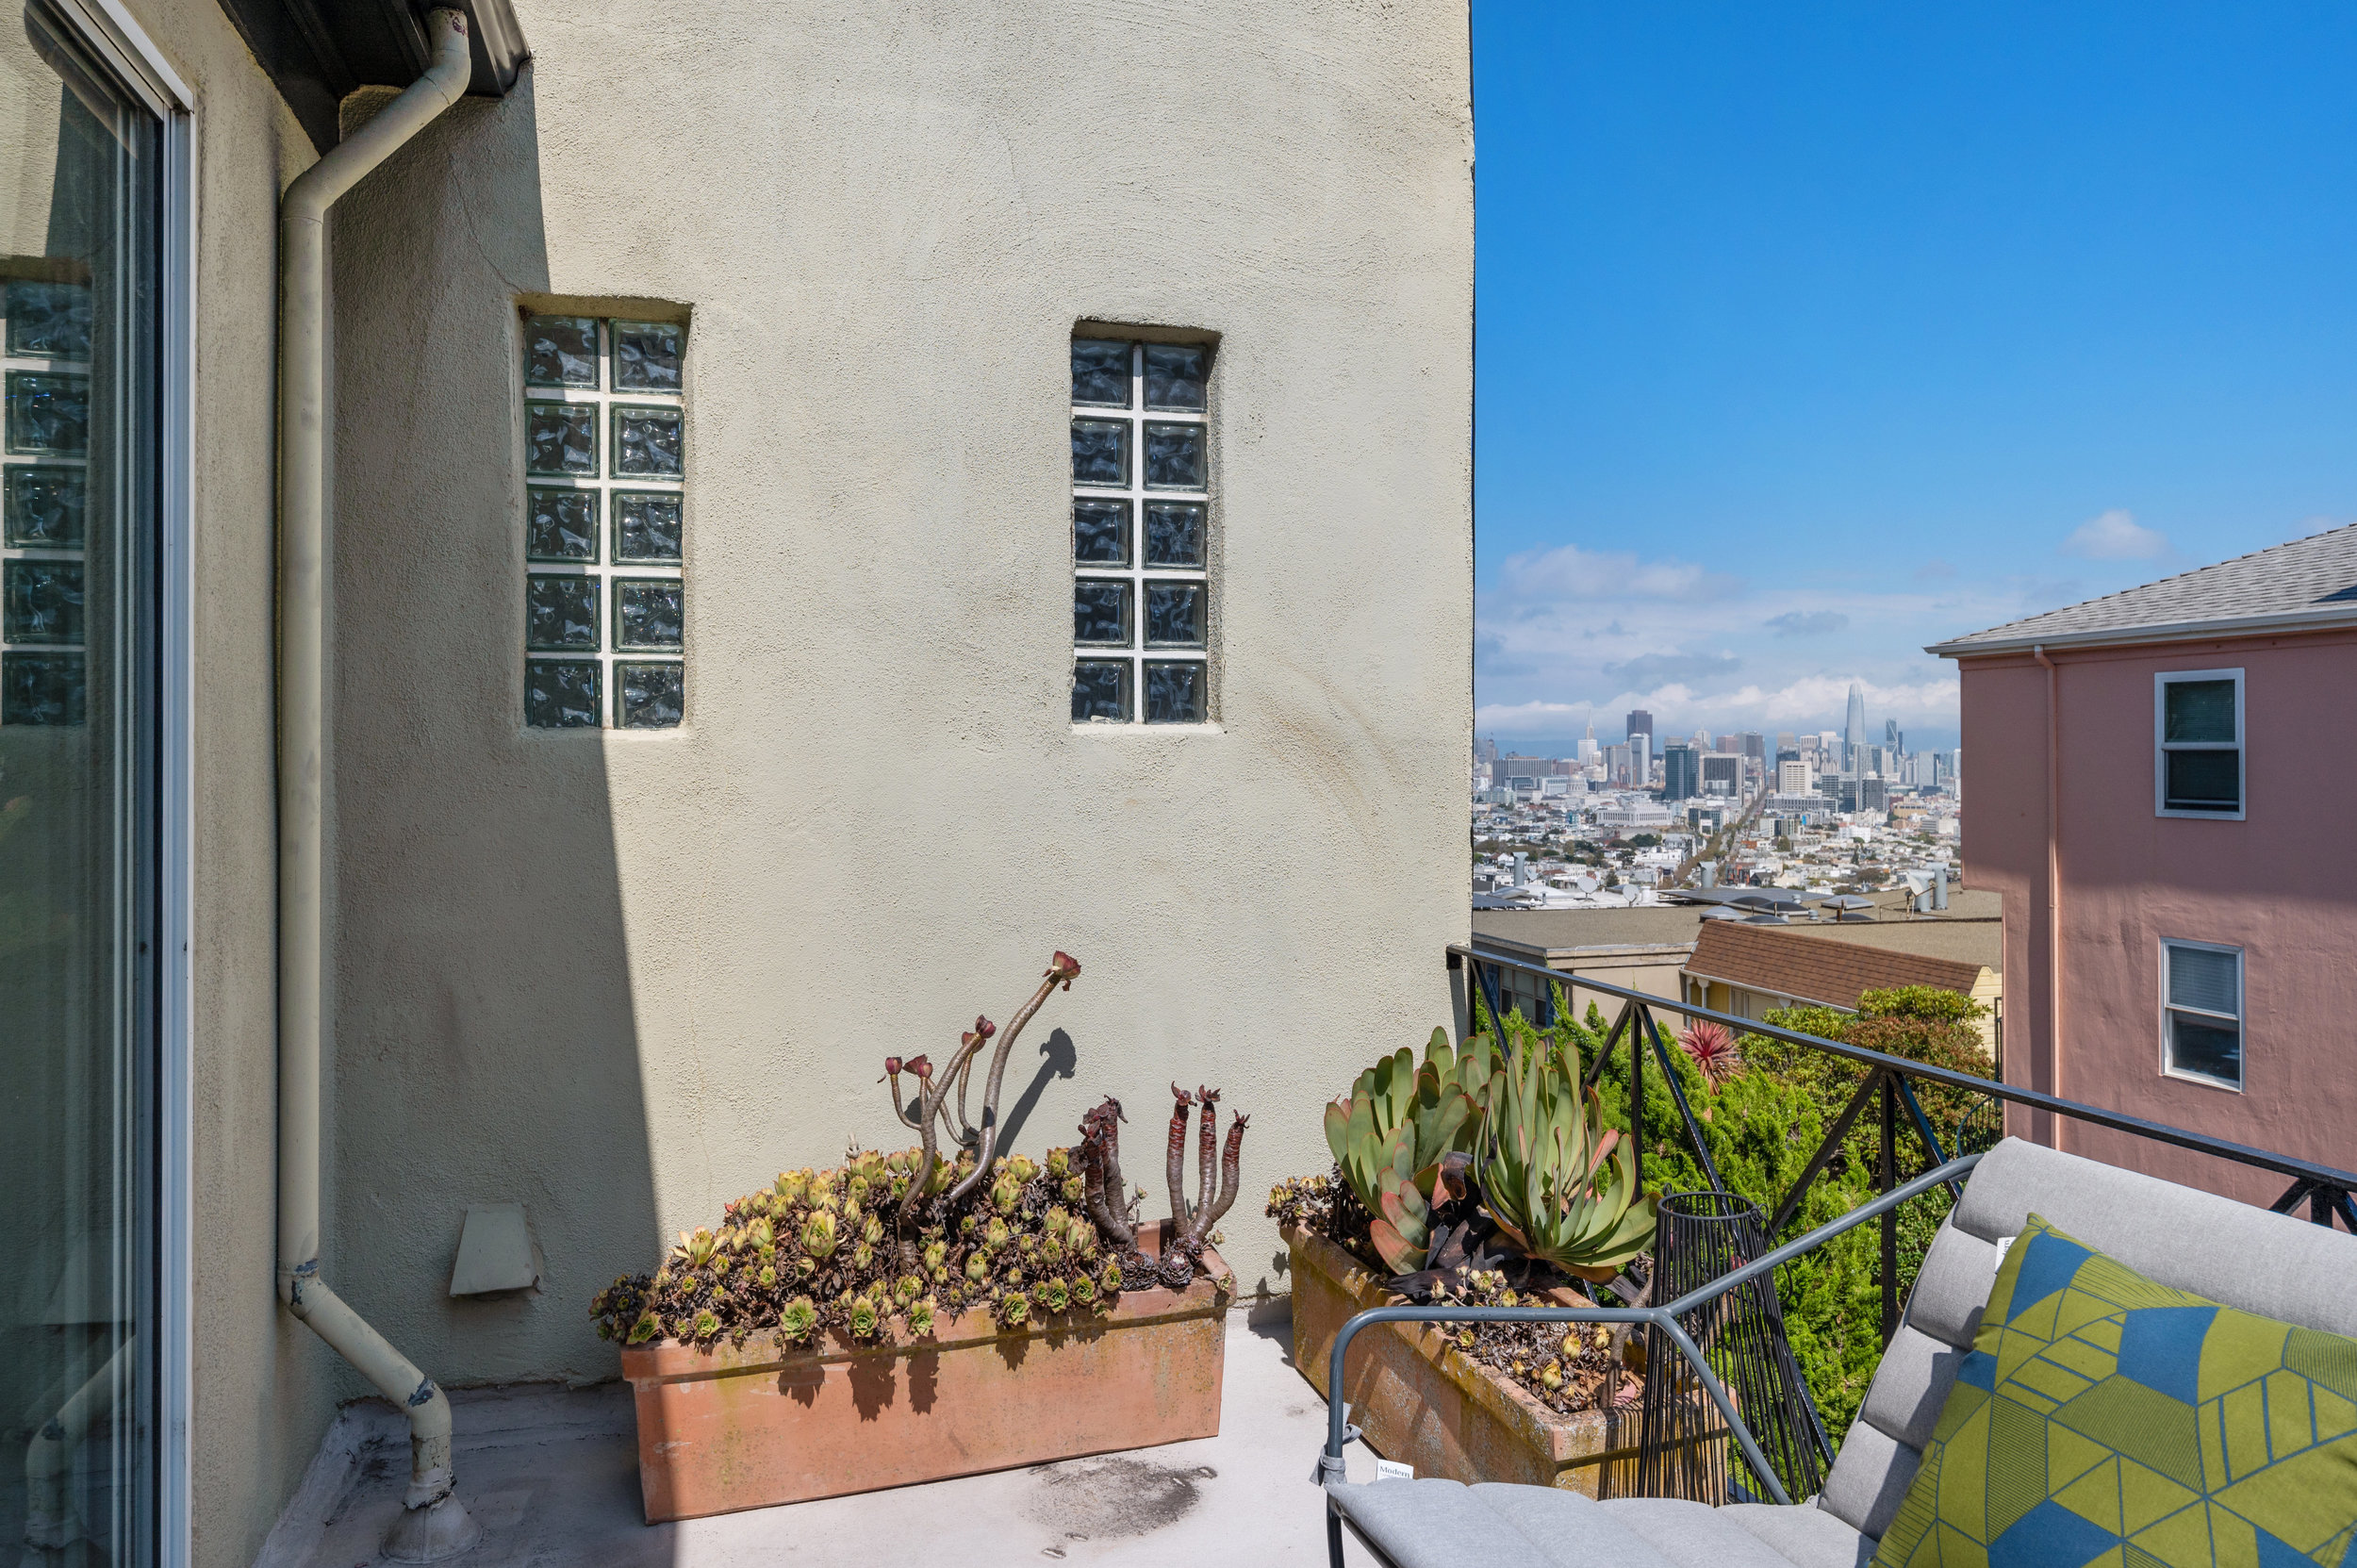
(1207, 1144)
(1062, 971)
(1175, 1161)
(1103, 1189)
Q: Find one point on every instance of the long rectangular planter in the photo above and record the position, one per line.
(1422, 1403)
(731, 1428)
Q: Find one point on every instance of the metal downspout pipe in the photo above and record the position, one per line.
(2053, 881)
(432, 1522)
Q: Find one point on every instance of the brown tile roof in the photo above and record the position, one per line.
(1793, 964)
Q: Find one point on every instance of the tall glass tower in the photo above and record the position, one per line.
(1854, 732)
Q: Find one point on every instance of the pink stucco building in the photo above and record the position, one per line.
(2161, 791)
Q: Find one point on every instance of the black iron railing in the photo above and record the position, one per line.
(1889, 1090)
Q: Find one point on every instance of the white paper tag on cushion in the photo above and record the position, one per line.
(2004, 1245)
(1387, 1469)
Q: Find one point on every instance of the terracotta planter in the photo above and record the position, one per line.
(727, 1429)
(1423, 1404)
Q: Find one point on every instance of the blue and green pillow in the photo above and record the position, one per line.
(2101, 1420)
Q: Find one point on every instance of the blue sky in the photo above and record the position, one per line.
(1810, 334)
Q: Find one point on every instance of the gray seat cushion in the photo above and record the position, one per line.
(1694, 1535)
(1438, 1524)
(1805, 1535)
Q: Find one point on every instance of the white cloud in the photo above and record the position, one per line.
(2115, 535)
(1567, 571)
(1805, 702)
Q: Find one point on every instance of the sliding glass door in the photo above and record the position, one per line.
(80, 504)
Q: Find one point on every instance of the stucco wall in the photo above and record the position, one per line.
(262, 1394)
(2276, 884)
(623, 977)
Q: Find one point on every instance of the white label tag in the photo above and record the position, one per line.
(1385, 1470)
(2004, 1245)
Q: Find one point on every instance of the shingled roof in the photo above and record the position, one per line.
(1788, 963)
(2309, 582)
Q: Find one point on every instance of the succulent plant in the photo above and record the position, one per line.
(1006, 1193)
(1191, 1223)
(1561, 1185)
(864, 1320)
(818, 1234)
(1109, 1278)
(1014, 1308)
(767, 1277)
(698, 1244)
(1393, 1132)
(647, 1328)
(1074, 1190)
(862, 1256)
(1054, 1295)
(977, 1265)
(707, 1324)
(994, 1234)
(1083, 1289)
(931, 1114)
(935, 1251)
(921, 1313)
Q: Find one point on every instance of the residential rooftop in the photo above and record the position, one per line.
(2307, 583)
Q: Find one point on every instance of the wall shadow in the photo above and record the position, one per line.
(485, 1043)
(1059, 1059)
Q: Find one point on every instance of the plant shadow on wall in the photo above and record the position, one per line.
(484, 1028)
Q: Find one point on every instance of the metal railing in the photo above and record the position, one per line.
(1889, 1087)
(1340, 1433)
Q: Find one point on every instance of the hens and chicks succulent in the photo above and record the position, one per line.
(814, 1252)
(882, 1247)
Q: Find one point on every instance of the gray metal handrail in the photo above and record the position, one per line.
(1339, 1432)
(2330, 1185)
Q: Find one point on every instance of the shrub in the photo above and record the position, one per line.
(1930, 1002)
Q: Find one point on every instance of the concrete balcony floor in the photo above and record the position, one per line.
(552, 1476)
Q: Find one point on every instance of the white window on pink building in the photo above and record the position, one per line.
(2202, 1013)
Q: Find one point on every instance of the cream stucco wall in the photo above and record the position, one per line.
(623, 977)
(262, 1395)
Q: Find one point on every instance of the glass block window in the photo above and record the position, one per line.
(605, 465)
(1141, 509)
(44, 496)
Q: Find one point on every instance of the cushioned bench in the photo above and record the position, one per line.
(2272, 1264)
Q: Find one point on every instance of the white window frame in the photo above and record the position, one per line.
(116, 37)
(2239, 1017)
(1137, 575)
(2162, 746)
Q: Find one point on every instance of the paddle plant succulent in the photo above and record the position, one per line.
(1394, 1134)
(1561, 1185)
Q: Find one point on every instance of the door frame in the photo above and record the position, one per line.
(114, 34)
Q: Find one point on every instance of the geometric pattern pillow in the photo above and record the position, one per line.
(2103, 1421)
